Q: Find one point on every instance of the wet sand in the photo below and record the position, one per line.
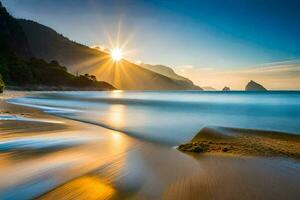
(48, 157)
(244, 142)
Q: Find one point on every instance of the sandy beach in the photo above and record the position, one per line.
(247, 142)
(49, 157)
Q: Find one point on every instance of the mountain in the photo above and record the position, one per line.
(19, 69)
(12, 37)
(253, 86)
(169, 72)
(47, 44)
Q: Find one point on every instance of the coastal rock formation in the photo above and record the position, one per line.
(226, 88)
(253, 86)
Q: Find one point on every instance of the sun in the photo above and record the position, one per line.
(116, 54)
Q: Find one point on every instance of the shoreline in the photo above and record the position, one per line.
(58, 158)
(41, 88)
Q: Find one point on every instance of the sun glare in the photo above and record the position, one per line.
(116, 54)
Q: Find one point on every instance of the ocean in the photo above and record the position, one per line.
(173, 117)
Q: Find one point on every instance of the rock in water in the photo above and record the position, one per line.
(226, 88)
(253, 86)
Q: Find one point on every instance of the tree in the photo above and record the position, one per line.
(93, 78)
(1, 84)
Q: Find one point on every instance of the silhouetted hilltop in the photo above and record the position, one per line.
(12, 37)
(19, 69)
(36, 74)
(253, 86)
(50, 45)
(169, 72)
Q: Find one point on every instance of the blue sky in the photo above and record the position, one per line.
(214, 34)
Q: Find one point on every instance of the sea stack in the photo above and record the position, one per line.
(253, 86)
(226, 88)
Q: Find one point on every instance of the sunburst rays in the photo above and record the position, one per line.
(112, 69)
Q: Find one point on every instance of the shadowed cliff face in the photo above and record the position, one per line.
(253, 86)
(12, 37)
(49, 45)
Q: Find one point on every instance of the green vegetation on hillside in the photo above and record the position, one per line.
(1, 84)
(36, 72)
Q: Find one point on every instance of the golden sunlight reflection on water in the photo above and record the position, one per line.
(85, 187)
(117, 93)
(116, 115)
(47, 158)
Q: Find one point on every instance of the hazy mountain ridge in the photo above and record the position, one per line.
(169, 72)
(208, 88)
(46, 43)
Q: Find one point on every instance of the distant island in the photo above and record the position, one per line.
(20, 69)
(226, 88)
(253, 86)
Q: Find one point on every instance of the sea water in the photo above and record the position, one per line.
(173, 117)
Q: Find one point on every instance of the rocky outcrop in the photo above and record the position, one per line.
(226, 88)
(253, 86)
